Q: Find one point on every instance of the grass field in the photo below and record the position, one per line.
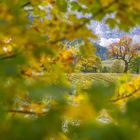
(86, 79)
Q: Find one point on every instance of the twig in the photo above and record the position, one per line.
(96, 14)
(88, 20)
(2, 57)
(125, 96)
(26, 4)
(24, 112)
(6, 56)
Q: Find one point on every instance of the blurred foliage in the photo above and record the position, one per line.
(90, 64)
(106, 69)
(117, 67)
(38, 100)
(135, 65)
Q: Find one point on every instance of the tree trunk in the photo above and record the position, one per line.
(126, 66)
(137, 71)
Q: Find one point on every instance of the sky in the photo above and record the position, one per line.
(108, 36)
(105, 34)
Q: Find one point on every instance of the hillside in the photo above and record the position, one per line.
(101, 51)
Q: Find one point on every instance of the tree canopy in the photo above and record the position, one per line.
(125, 49)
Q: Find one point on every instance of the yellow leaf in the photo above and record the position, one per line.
(105, 3)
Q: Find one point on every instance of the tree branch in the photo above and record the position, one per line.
(9, 56)
(96, 14)
(3, 57)
(89, 19)
(24, 112)
(26, 4)
(125, 96)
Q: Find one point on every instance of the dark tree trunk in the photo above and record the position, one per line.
(125, 66)
(137, 71)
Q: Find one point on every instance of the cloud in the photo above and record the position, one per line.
(106, 42)
(136, 39)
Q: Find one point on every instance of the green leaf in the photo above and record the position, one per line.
(95, 131)
(111, 22)
(62, 5)
(39, 90)
(133, 110)
(75, 6)
(100, 94)
(38, 51)
(9, 65)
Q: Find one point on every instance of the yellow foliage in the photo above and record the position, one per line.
(105, 3)
(5, 12)
(79, 105)
(127, 90)
(58, 136)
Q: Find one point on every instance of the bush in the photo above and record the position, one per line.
(117, 67)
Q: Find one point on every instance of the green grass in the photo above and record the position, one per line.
(86, 79)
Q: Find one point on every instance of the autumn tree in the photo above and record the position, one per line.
(90, 64)
(124, 50)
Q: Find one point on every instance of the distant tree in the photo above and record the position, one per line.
(124, 50)
(135, 65)
(105, 69)
(117, 67)
(90, 64)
